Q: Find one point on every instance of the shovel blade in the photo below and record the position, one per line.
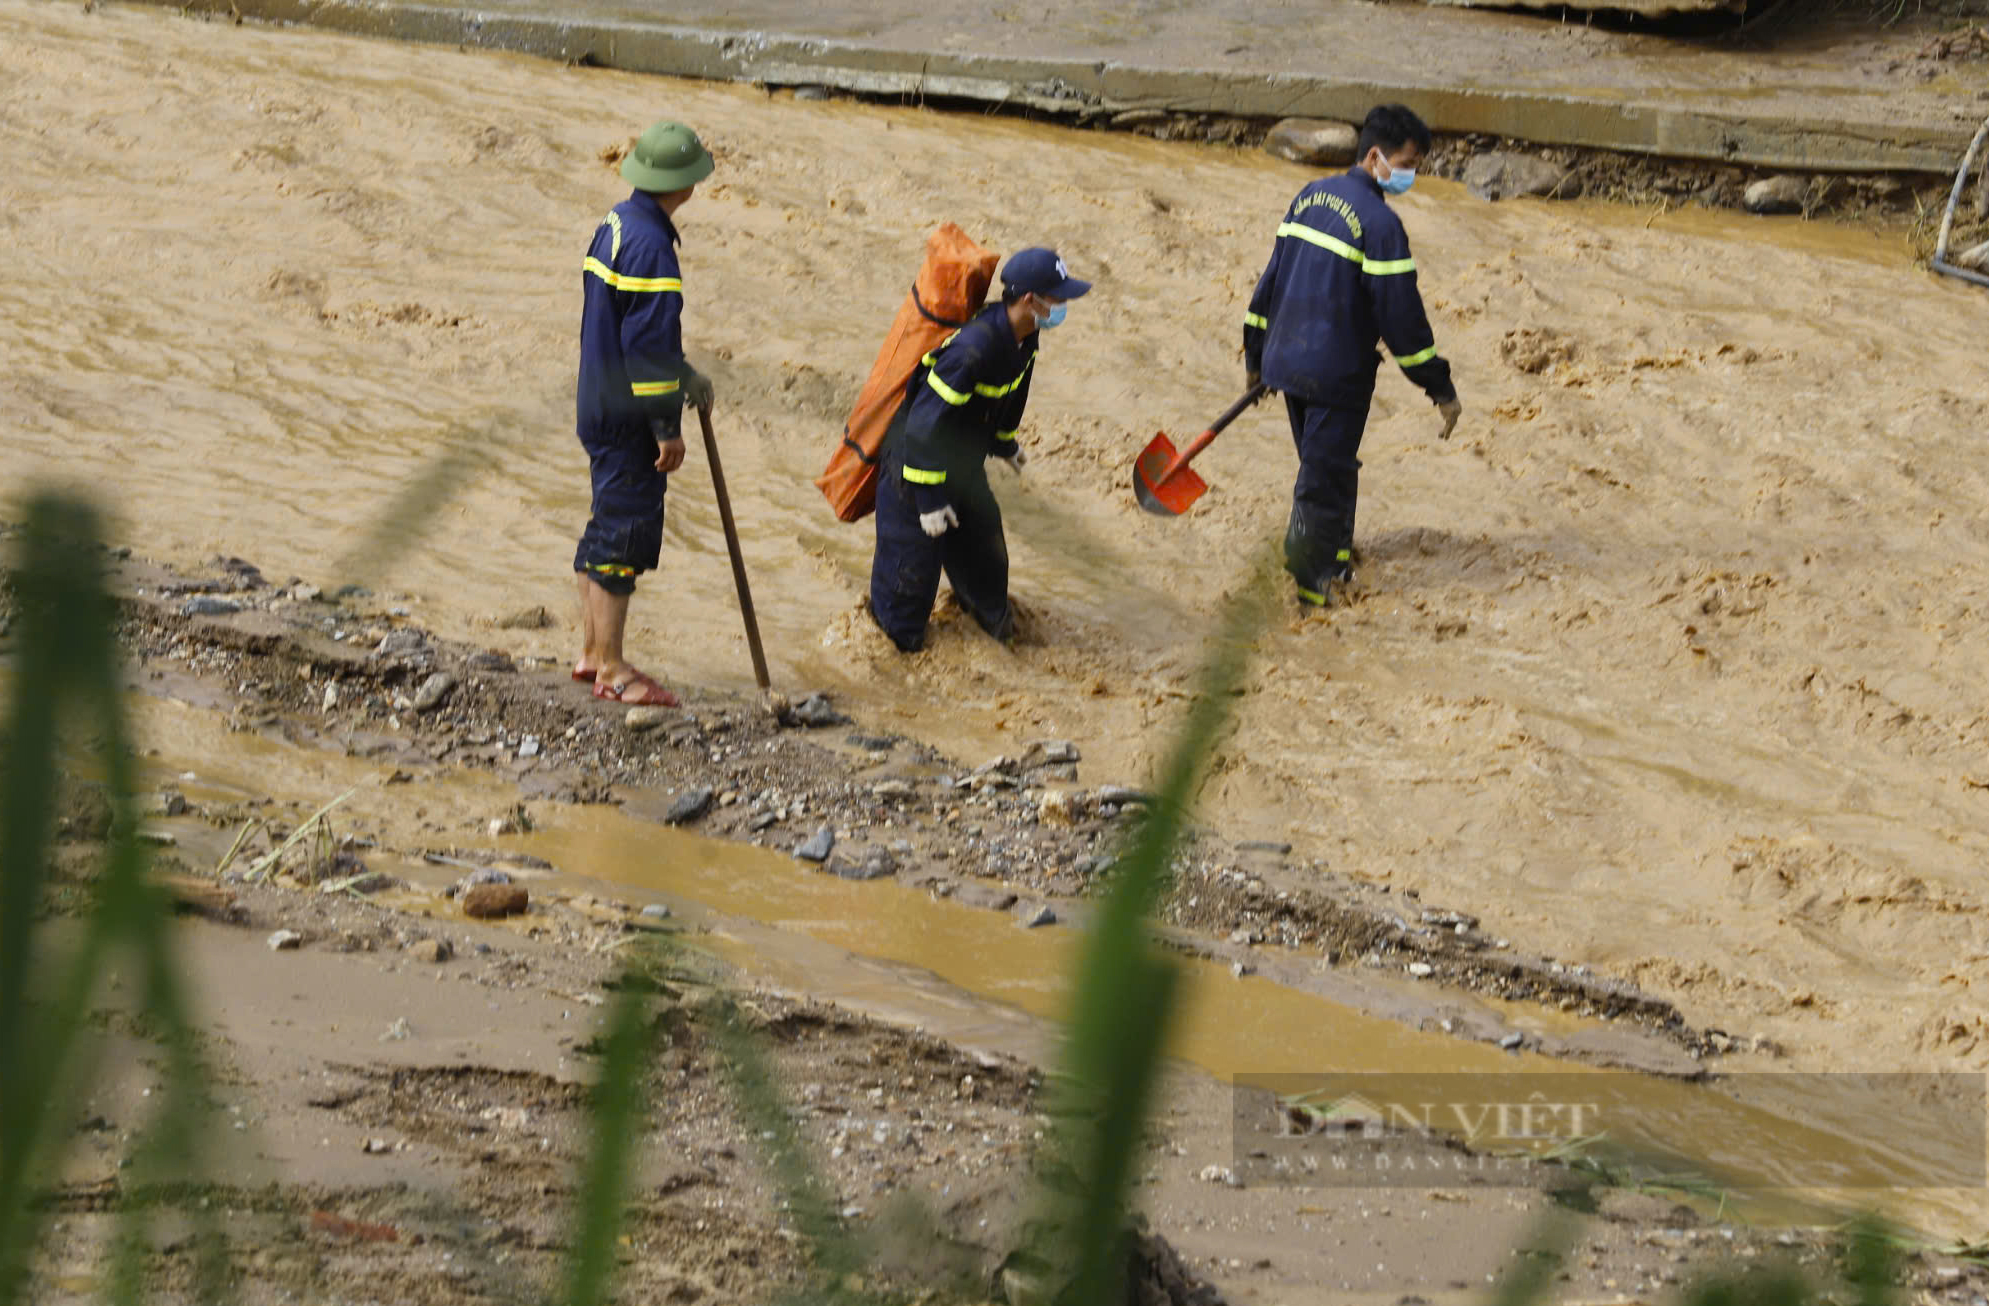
(1158, 492)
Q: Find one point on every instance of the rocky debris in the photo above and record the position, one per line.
(1054, 808)
(304, 593)
(1534, 349)
(1058, 773)
(526, 619)
(877, 864)
(401, 644)
(1782, 194)
(872, 743)
(656, 911)
(818, 846)
(206, 605)
(491, 662)
(482, 875)
(1502, 175)
(1049, 752)
(1241, 968)
(285, 941)
(969, 893)
(1040, 915)
(376, 1147)
(1512, 1042)
(329, 701)
(1220, 1174)
(815, 712)
(433, 951)
(1421, 969)
(1315, 142)
(640, 719)
(364, 882)
(1121, 796)
(690, 805)
(495, 901)
(528, 747)
(433, 690)
(893, 789)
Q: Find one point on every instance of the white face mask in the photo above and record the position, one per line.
(1398, 180)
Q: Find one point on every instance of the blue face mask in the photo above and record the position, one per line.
(1056, 318)
(1398, 181)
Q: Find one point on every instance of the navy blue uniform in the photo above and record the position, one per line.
(963, 406)
(629, 396)
(1340, 280)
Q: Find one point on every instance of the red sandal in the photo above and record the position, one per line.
(637, 691)
(585, 675)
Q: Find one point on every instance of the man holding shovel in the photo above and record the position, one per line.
(634, 383)
(935, 509)
(1340, 280)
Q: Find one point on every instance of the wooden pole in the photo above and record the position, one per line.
(732, 547)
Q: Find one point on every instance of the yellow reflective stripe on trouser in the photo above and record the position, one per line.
(919, 476)
(1312, 596)
(653, 387)
(650, 285)
(1387, 267)
(1421, 356)
(1256, 320)
(945, 391)
(611, 568)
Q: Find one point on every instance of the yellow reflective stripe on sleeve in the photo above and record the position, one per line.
(653, 387)
(945, 391)
(1005, 435)
(1257, 320)
(919, 476)
(614, 220)
(1420, 356)
(653, 285)
(997, 391)
(1387, 267)
(1321, 239)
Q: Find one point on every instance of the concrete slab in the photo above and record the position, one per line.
(1818, 96)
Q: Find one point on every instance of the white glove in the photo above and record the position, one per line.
(1450, 412)
(1016, 460)
(937, 522)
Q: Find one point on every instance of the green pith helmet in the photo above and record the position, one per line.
(668, 157)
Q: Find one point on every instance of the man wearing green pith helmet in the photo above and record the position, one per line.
(634, 383)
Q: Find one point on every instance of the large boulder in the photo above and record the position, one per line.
(1501, 175)
(1315, 142)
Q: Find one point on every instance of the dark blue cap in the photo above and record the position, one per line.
(1039, 271)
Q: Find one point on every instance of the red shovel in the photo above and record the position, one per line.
(1162, 480)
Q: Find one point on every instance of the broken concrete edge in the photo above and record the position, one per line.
(1088, 89)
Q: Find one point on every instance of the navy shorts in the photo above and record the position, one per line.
(624, 536)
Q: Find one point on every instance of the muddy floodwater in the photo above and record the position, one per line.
(1670, 663)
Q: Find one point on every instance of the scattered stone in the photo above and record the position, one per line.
(172, 804)
(526, 619)
(1120, 796)
(762, 821)
(1038, 916)
(364, 882)
(1220, 1174)
(1500, 175)
(815, 712)
(330, 701)
(690, 805)
(1244, 936)
(495, 901)
(811, 92)
(876, 865)
(1054, 808)
(1782, 194)
(1139, 117)
(1055, 773)
(1512, 1042)
(1050, 752)
(892, 789)
(482, 875)
(433, 690)
(206, 605)
(528, 746)
(656, 911)
(352, 591)
(306, 593)
(647, 718)
(1316, 142)
(401, 643)
(433, 951)
(818, 846)
(1421, 969)
(871, 743)
(159, 838)
(1241, 968)
(997, 765)
(491, 662)
(376, 1146)
(285, 941)
(1264, 846)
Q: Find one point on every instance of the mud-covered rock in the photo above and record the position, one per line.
(496, 901)
(1315, 142)
(1502, 175)
(690, 805)
(1775, 195)
(433, 690)
(818, 846)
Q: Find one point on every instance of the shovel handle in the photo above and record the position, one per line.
(732, 548)
(1202, 441)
